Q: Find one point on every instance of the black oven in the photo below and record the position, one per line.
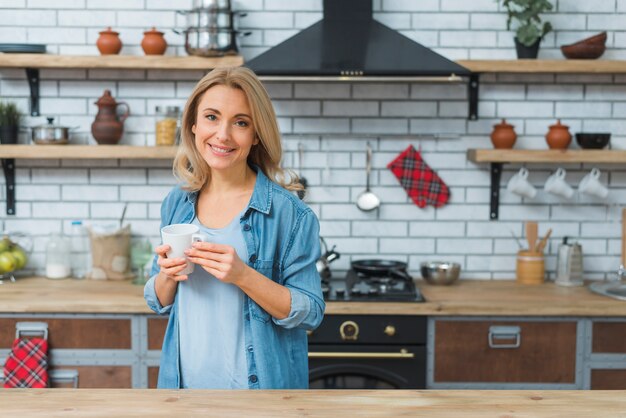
(368, 352)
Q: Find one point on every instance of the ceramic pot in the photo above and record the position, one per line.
(108, 126)
(558, 137)
(503, 135)
(109, 42)
(153, 42)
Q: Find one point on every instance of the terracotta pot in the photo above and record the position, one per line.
(503, 135)
(108, 126)
(558, 137)
(153, 42)
(109, 42)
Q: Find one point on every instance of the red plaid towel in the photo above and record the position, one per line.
(421, 183)
(27, 364)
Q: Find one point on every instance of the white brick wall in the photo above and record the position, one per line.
(333, 121)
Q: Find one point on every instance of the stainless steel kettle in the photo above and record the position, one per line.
(324, 261)
(569, 266)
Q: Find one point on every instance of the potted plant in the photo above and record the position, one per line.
(529, 30)
(10, 118)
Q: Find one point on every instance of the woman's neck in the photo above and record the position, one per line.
(234, 181)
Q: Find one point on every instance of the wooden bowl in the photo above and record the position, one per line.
(595, 39)
(583, 51)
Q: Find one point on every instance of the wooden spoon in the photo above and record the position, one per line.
(531, 234)
(544, 241)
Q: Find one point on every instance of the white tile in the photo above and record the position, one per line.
(334, 229)
(297, 107)
(407, 246)
(467, 38)
(410, 6)
(143, 193)
(85, 18)
(321, 90)
(62, 209)
(37, 192)
(379, 229)
(380, 91)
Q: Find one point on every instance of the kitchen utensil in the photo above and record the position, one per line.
(50, 134)
(153, 42)
(440, 272)
(503, 135)
(544, 241)
(569, 265)
(324, 261)
(531, 234)
(368, 201)
(109, 42)
(23, 48)
(591, 140)
(210, 42)
(380, 268)
(558, 136)
(108, 126)
(303, 180)
(123, 215)
(211, 18)
(529, 267)
(212, 4)
(519, 244)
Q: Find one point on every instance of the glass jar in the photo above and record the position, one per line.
(167, 124)
(58, 257)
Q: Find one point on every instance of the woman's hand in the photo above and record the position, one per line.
(219, 260)
(170, 267)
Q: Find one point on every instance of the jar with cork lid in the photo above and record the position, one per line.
(167, 124)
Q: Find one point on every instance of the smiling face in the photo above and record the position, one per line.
(224, 133)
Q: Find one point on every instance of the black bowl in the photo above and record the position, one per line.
(593, 140)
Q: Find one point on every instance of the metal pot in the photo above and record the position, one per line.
(212, 4)
(208, 18)
(440, 272)
(49, 133)
(206, 42)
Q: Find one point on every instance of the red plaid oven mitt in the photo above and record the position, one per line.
(421, 183)
(27, 364)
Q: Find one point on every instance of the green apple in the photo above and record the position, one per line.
(20, 257)
(7, 262)
(5, 244)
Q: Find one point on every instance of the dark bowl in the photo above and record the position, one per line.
(586, 51)
(593, 140)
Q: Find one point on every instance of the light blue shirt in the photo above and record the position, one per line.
(282, 241)
(212, 351)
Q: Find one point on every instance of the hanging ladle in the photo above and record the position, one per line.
(368, 201)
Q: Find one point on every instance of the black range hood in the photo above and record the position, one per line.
(348, 44)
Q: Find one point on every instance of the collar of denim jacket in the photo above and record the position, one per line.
(261, 199)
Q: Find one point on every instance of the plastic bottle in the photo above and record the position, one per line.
(80, 250)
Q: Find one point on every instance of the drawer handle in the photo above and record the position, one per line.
(31, 329)
(500, 332)
(403, 354)
(65, 376)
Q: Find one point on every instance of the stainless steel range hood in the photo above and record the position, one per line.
(348, 44)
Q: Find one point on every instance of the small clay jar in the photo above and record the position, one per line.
(108, 126)
(558, 137)
(153, 42)
(503, 135)
(109, 42)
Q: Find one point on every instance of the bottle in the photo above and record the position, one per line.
(58, 257)
(80, 249)
(166, 124)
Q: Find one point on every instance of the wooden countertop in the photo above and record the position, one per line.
(465, 298)
(310, 403)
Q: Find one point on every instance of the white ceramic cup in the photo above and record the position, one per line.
(590, 184)
(520, 185)
(557, 185)
(180, 237)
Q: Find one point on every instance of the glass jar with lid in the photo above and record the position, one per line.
(167, 123)
(58, 257)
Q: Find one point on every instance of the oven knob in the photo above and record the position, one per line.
(349, 331)
(390, 330)
(309, 332)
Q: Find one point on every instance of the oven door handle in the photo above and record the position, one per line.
(403, 354)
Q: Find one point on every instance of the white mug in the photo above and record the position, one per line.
(520, 185)
(590, 184)
(557, 185)
(180, 237)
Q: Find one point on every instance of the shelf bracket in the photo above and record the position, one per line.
(33, 82)
(8, 165)
(496, 173)
(472, 89)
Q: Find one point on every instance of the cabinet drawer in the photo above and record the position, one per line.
(156, 332)
(75, 333)
(153, 377)
(608, 379)
(609, 337)
(110, 377)
(543, 352)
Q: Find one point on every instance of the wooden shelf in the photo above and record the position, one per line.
(131, 62)
(545, 66)
(546, 156)
(99, 152)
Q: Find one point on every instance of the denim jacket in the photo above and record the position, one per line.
(282, 238)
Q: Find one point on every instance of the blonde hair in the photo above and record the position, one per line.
(190, 167)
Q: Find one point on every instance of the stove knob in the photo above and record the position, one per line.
(390, 330)
(349, 331)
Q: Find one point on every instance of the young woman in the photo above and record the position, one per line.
(240, 319)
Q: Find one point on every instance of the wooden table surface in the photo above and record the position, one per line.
(466, 297)
(310, 403)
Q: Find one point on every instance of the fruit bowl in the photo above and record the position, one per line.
(588, 48)
(593, 140)
(14, 251)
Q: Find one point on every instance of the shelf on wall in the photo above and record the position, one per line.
(498, 157)
(563, 66)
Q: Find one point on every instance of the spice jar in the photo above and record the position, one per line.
(58, 257)
(167, 124)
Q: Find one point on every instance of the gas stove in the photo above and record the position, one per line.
(358, 287)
